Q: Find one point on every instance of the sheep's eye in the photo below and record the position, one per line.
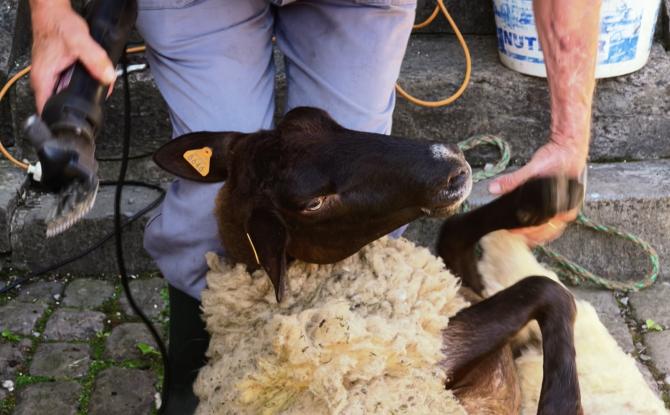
(315, 204)
(319, 204)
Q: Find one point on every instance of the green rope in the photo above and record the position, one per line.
(490, 170)
(577, 274)
(565, 268)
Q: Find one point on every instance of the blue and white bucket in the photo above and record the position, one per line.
(626, 35)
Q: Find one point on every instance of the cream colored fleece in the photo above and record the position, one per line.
(362, 336)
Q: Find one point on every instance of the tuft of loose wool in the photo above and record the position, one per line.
(361, 336)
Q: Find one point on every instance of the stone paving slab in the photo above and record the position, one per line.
(8, 12)
(40, 359)
(87, 293)
(653, 303)
(10, 358)
(12, 355)
(122, 343)
(11, 186)
(49, 398)
(654, 385)
(61, 360)
(659, 345)
(68, 324)
(147, 295)
(43, 291)
(665, 23)
(20, 318)
(123, 391)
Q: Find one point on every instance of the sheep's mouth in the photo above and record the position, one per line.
(441, 211)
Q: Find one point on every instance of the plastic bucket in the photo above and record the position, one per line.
(626, 35)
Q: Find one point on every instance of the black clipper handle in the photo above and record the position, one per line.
(78, 106)
(73, 116)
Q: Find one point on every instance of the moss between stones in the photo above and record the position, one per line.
(7, 405)
(97, 345)
(636, 332)
(23, 380)
(41, 323)
(96, 367)
(10, 336)
(112, 308)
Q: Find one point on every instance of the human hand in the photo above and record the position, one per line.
(552, 159)
(61, 38)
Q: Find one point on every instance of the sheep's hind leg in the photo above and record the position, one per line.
(482, 330)
(491, 386)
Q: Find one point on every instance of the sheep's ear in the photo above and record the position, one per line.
(268, 239)
(196, 156)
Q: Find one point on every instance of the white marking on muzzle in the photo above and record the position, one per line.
(441, 152)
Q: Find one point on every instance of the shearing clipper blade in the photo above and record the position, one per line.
(67, 167)
(74, 201)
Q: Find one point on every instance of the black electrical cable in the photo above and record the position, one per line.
(118, 232)
(133, 157)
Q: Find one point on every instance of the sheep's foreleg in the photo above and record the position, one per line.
(531, 204)
(484, 328)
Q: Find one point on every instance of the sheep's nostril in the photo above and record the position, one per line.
(457, 179)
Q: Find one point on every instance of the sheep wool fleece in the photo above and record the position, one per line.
(363, 336)
(360, 336)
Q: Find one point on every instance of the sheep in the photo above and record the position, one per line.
(312, 191)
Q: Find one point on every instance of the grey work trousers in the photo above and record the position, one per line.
(212, 61)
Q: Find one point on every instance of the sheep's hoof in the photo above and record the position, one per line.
(539, 200)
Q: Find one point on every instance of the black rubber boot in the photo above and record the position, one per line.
(186, 351)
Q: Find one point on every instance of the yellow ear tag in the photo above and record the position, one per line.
(199, 159)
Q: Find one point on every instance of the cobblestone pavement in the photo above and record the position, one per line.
(71, 347)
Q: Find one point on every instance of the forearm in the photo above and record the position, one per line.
(568, 31)
(38, 6)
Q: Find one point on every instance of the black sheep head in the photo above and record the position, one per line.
(313, 190)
